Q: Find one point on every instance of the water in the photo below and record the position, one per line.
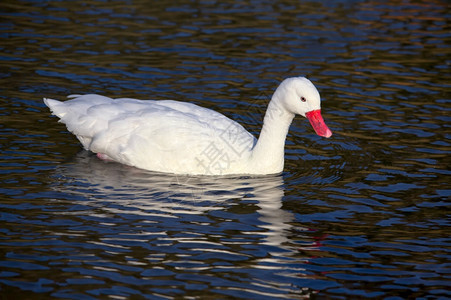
(362, 214)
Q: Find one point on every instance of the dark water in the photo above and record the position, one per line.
(362, 214)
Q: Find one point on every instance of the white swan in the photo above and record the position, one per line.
(183, 138)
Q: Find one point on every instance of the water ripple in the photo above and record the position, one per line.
(362, 214)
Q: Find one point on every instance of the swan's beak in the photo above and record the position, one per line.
(317, 122)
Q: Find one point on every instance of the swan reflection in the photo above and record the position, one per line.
(116, 189)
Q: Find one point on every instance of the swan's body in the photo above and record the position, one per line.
(183, 138)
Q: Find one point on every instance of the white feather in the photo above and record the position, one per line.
(180, 137)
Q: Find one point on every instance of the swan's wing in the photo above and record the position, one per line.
(157, 135)
(172, 139)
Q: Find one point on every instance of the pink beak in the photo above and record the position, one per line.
(317, 122)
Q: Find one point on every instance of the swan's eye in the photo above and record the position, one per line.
(303, 99)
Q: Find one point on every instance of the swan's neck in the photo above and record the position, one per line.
(268, 153)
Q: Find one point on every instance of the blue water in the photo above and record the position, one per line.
(364, 213)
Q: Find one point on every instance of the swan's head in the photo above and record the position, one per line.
(299, 96)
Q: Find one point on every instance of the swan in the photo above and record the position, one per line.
(184, 138)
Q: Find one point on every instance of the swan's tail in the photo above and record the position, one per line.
(69, 116)
(57, 107)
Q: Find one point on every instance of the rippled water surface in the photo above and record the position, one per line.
(364, 213)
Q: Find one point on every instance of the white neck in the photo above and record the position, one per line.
(269, 152)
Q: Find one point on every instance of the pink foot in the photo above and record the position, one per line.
(103, 157)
